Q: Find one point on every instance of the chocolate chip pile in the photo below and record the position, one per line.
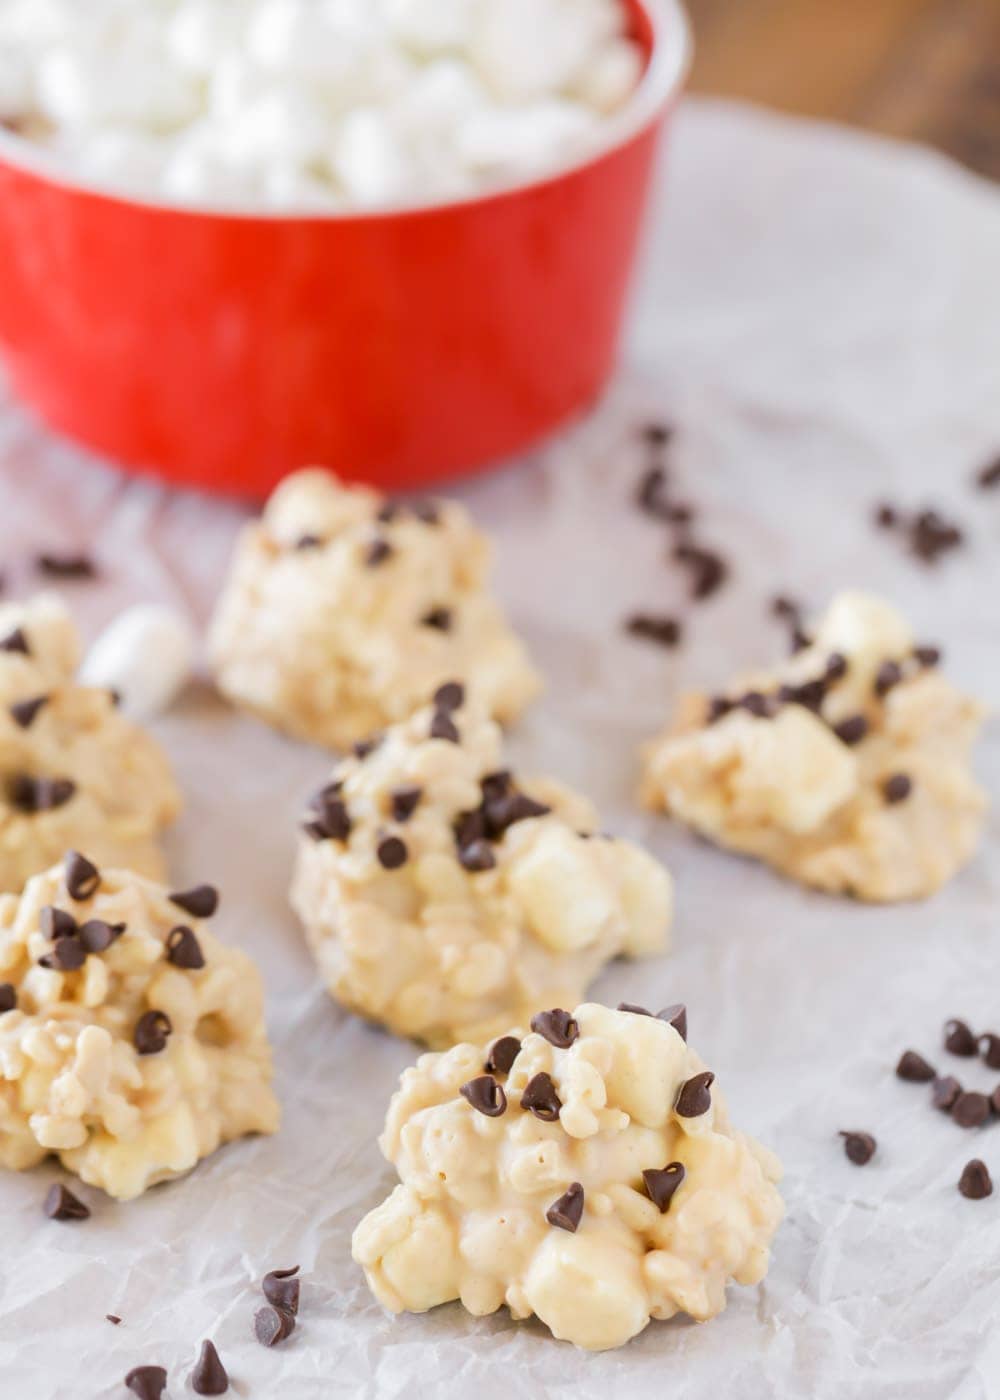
(927, 534)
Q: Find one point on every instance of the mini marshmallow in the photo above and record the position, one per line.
(145, 655)
(369, 159)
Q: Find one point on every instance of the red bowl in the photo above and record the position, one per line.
(224, 349)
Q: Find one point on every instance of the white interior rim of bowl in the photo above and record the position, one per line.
(663, 79)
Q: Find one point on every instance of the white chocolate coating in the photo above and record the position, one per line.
(439, 952)
(787, 790)
(324, 645)
(124, 794)
(468, 1219)
(72, 1082)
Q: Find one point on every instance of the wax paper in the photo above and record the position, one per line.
(819, 315)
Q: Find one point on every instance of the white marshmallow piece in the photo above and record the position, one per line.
(146, 655)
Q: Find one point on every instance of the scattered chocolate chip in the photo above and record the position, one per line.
(800, 640)
(147, 1382)
(927, 656)
(677, 1017)
(66, 566)
(661, 1184)
(16, 641)
(81, 875)
(995, 1101)
(889, 674)
(989, 476)
(377, 553)
(209, 1376)
(449, 697)
(485, 1095)
(112, 1318)
(664, 631)
(200, 902)
(914, 1068)
(281, 1288)
(25, 712)
(945, 1092)
(503, 1053)
(989, 1049)
(61, 1204)
(115, 696)
(272, 1325)
(443, 727)
(476, 857)
(718, 707)
(68, 955)
(657, 434)
(633, 1010)
(440, 619)
(183, 949)
(971, 1110)
(785, 608)
(392, 853)
(931, 535)
(567, 1212)
(886, 516)
(708, 570)
(852, 730)
(309, 542)
(56, 923)
(694, 1097)
(557, 1026)
(540, 1098)
(96, 935)
(331, 820)
(151, 1032)
(364, 747)
(404, 802)
(897, 788)
(651, 493)
(501, 813)
(30, 794)
(975, 1182)
(8, 997)
(859, 1148)
(959, 1039)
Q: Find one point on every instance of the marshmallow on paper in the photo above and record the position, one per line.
(146, 655)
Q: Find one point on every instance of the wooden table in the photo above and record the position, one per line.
(927, 70)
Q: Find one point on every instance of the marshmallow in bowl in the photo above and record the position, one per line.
(314, 103)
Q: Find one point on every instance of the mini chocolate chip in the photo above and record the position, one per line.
(502, 812)
(66, 566)
(677, 1017)
(540, 1098)
(995, 1101)
(694, 1097)
(503, 1053)
(209, 1376)
(364, 747)
(708, 570)
(476, 857)
(392, 853)
(56, 923)
(859, 1148)
(200, 902)
(440, 619)
(975, 1182)
(897, 788)
(886, 516)
(377, 553)
(989, 1049)
(718, 707)
(450, 696)
(147, 1382)
(25, 712)
(664, 631)
(16, 641)
(852, 730)
(945, 1093)
(68, 955)
(756, 704)
(308, 542)
(836, 667)
(387, 512)
(31, 794)
(557, 1026)
(61, 1204)
(183, 949)
(443, 727)
(971, 1110)
(82, 877)
(633, 1010)
(927, 656)
(496, 785)
(427, 512)
(332, 821)
(485, 1095)
(661, 1184)
(151, 1032)
(989, 476)
(651, 493)
(800, 640)
(959, 1039)
(404, 802)
(889, 674)
(914, 1068)
(786, 608)
(96, 935)
(931, 535)
(657, 434)
(281, 1288)
(112, 1318)
(567, 1212)
(8, 997)
(272, 1325)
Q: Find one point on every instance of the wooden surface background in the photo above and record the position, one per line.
(928, 70)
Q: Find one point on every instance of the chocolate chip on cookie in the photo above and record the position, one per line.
(443, 727)
(392, 853)
(927, 656)
(476, 857)
(404, 802)
(852, 730)
(151, 1032)
(677, 1017)
(200, 902)
(81, 875)
(694, 1097)
(897, 788)
(68, 954)
(440, 619)
(485, 1095)
(888, 675)
(567, 1212)
(502, 1054)
(30, 794)
(449, 697)
(25, 712)
(661, 1183)
(540, 1098)
(377, 553)
(8, 997)
(183, 949)
(16, 641)
(96, 935)
(557, 1026)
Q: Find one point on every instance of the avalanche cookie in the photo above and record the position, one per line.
(447, 899)
(74, 772)
(345, 611)
(132, 1042)
(586, 1172)
(846, 768)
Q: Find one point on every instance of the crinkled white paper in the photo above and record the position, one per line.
(820, 314)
